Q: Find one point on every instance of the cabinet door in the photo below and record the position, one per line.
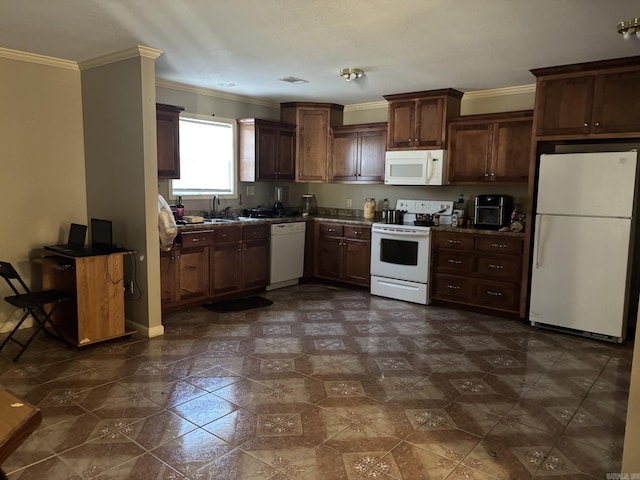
(616, 106)
(372, 148)
(226, 268)
(470, 152)
(401, 124)
(344, 157)
(285, 159)
(266, 148)
(430, 122)
(357, 257)
(329, 257)
(511, 152)
(255, 264)
(168, 278)
(313, 148)
(193, 271)
(564, 105)
(167, 118)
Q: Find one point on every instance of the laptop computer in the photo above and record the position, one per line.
(75, 243)
(102, 236)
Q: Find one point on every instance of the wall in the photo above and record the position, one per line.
(121, 162)
(42, 165)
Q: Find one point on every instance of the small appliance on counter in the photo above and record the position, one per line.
(493, 211)
(309, 205)
(280, 194)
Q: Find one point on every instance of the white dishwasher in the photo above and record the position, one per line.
(287, 254)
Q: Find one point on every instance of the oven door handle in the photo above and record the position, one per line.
(401, 233)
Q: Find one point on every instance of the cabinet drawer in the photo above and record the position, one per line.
(453, 262)
(255, 232)
(457, 241)
(330, 230)
(452, 288)
(498, 244)
(497, 295)
(228, 234)
(197, 238)
(507, 268)
(357, 231)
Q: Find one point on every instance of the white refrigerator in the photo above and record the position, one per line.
(581, 259)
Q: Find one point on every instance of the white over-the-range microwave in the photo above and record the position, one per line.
(414, 167)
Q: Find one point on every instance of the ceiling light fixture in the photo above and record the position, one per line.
(629, 28)
(351, 73)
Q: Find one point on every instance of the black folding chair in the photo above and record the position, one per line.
(33, 304)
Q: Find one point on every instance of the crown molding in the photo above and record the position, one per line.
(39, 59)
(183, 87)
(134, 52)
(500, 92)
(366, 106)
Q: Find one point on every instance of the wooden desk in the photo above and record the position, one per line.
(97, 283)
(18, 420)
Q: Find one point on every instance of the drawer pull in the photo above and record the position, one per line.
(331, 230)
(195, 239)
(453, 287)
(499, 245)
(456, 262)
(497, 267)
(495, 294)
(454, 242)
(357, 232)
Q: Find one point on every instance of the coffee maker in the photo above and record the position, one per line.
(280, 194)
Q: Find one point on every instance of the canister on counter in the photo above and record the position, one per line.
(369, 208)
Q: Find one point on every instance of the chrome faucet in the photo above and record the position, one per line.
(215, 203)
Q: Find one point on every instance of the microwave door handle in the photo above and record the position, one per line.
(430, 168)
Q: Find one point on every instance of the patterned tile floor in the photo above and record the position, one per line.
(327, 383)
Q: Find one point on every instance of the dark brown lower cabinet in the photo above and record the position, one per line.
(343, 252)
(477, 269)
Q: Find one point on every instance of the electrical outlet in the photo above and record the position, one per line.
(349, 202)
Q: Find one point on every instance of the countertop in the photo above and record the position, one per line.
(336, 219)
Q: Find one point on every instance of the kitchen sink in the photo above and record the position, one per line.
(218, 220)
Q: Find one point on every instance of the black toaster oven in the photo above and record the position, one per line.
(493, 211)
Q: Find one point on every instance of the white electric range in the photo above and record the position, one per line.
(400, 252)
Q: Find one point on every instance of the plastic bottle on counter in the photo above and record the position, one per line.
(454, 220)
(462, 214)
(179, 209)
(369, 208)
(385, 210)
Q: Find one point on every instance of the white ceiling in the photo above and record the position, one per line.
(403, 45)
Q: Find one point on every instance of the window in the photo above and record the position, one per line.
(207, 157)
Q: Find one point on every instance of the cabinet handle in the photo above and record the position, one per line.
(331, 230)
(492, 174)
(486, 174)
(586, 124)
(357, 232)
(240, 249)
(498, 267)
(499, 245)
(495, 294)
(453, 287)
(456, 262)
(195, 239)
(597, 124)
(454, 242)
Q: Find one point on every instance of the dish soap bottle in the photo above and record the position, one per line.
(179, 209)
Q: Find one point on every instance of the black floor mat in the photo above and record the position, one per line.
(238, 305)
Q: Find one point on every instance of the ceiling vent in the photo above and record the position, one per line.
(295, 80)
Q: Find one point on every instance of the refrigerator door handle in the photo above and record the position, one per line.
(537, 241)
